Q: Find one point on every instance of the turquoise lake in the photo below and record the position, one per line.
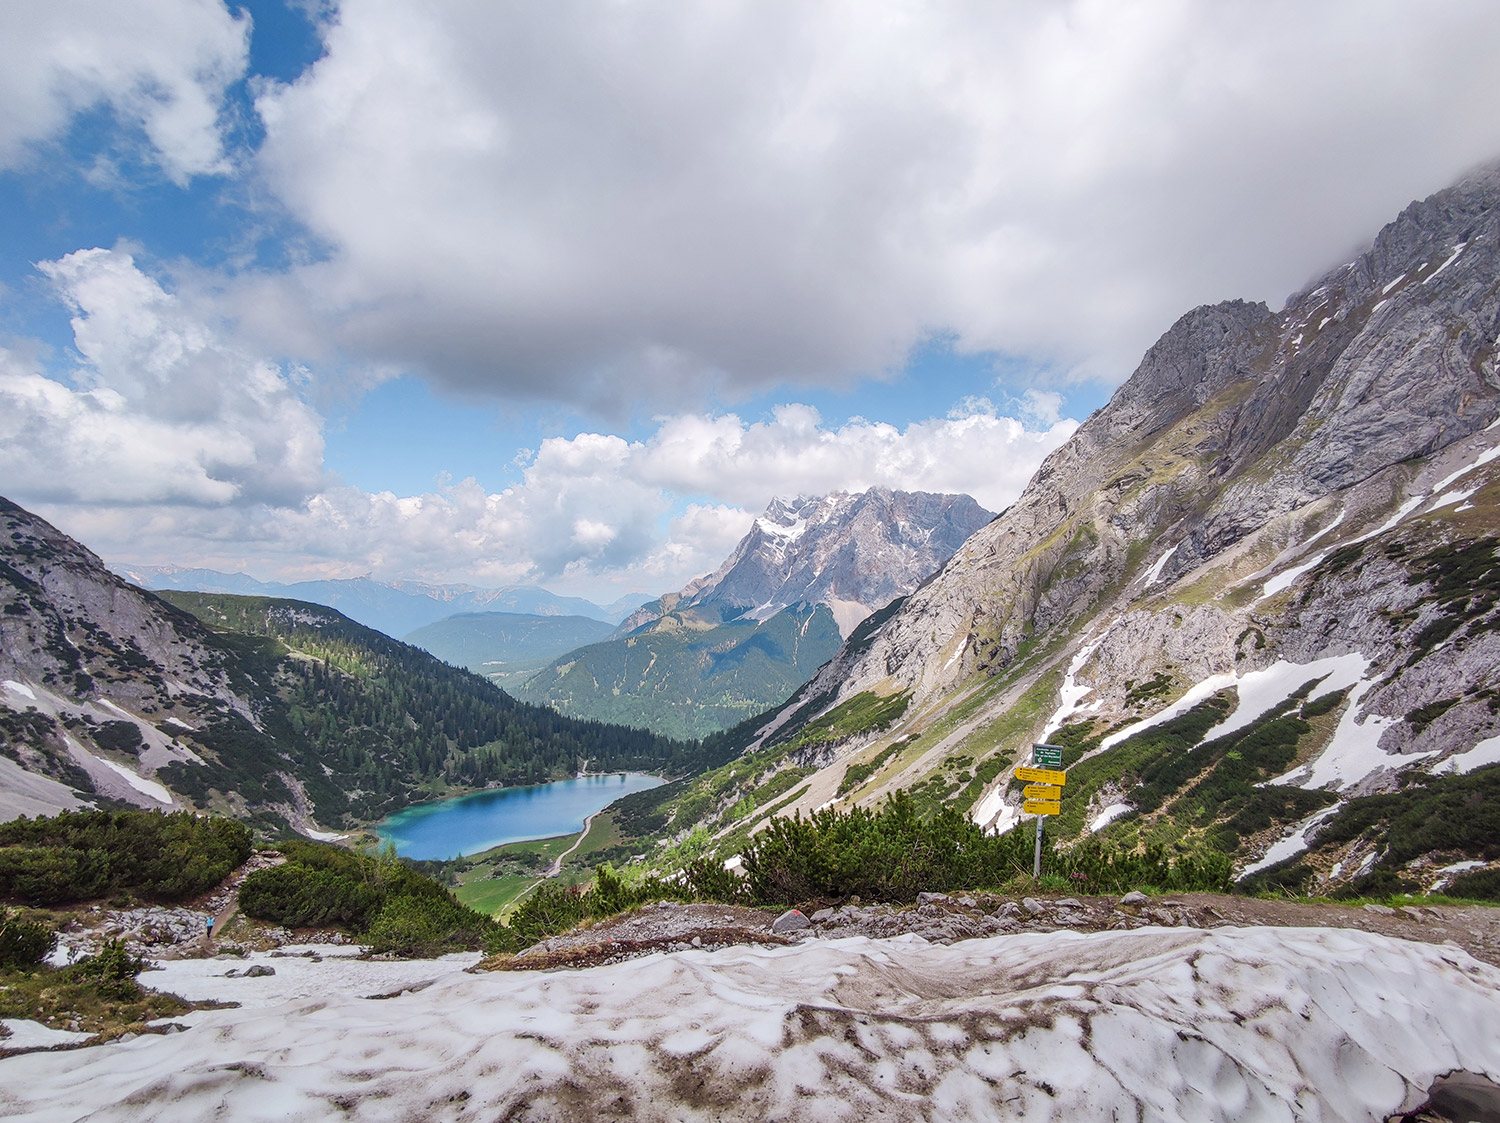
(467, 824)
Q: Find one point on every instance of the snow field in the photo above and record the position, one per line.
(1168, 1024)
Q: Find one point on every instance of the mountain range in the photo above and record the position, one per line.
(749, 634)
(1255, 600)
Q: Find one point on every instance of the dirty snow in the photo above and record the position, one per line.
(1354, 751)
(19, 688)
(180, 724)
(1486, 752)
(989, 806)
(323, 836)
(1296, 840)
(1167, 1024)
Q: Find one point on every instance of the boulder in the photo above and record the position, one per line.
(790, 921)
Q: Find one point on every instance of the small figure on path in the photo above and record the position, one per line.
(210, 934)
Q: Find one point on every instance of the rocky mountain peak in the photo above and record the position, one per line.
(852, 551)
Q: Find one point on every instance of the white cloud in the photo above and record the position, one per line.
(594, 513)
(614, 203)
(160, 410)
(160, 65)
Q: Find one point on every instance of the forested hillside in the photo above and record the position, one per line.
(374, 723)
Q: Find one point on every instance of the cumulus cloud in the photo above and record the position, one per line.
(161, 408)
(161, 66)
(595, 512)
(615, 203)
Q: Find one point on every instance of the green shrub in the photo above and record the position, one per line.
(79, 855)
(300, 896)
(381, 901)
(1481, 885)
(23, 942)
(112, 971)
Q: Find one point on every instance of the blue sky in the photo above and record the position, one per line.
(563, 295)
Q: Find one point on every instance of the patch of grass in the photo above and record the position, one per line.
(492, 896)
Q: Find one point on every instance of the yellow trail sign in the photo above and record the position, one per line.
(1041, 776)
(1042, 807)
(1041, 791)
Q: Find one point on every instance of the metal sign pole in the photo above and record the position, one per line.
(1036, 867)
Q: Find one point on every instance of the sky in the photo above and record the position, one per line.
(565, 293)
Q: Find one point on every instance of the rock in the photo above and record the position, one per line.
(697, 941)
(1010, 908)
(968, 902)
(790, 921)
(1032, 905)
(259, 971)
(1135, 897)
(929, 898)
(822, 915)
(1381, 910)
(1070, 903)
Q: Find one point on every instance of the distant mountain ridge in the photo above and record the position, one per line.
(393, 607)
(852, 551)
(506, 647)
(745, 636)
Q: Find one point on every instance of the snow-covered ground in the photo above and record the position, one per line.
(1168, 1024)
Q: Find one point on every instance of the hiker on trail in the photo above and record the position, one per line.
(210, 928)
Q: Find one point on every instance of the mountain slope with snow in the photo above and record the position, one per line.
(1260, 583)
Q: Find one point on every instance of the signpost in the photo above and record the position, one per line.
(1043, 791)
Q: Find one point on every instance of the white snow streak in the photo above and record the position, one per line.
(139, 783)
(1108, 816)
(1293, 842)
(1353, 753)
(1479, 461)
(1071, 693)
(1260, 691)
(19, 688)
(1486, 752)
(1205, 689)
(1458, 249)
(1161, 563)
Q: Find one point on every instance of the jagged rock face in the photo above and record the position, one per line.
(852, 552)
(1234, 418)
